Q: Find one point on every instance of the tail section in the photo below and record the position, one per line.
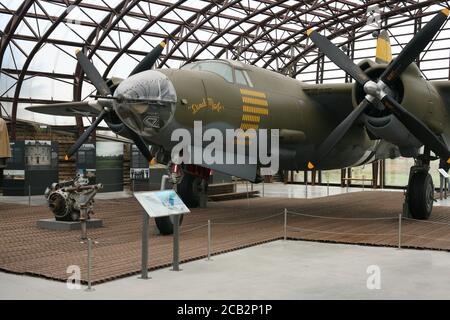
(384, 50)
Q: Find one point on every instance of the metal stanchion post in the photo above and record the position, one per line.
(445, 187)
(176, 243)
(399, 231)
(263, 188)
(132, 186)
(83, 222)
(285, 224)
(441, 188)
(29, 195)
(364, 183)
(328, 187)
(209, 240)
(89, 243)
(248, 197)
(306, 188)
(144, 254)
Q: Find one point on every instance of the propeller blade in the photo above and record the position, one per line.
(85, 136)
(414, 47)
(93, 74)
(338, 133)
(150, 59)
(122, 129)
(417, 128)
(338, 57)
(141, 145)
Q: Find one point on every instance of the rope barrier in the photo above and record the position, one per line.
(341, 218)
(194, 229)
(248, 222)
(426, 238)
(426, 221)
(344, 233)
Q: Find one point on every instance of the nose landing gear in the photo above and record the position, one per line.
(192, 186)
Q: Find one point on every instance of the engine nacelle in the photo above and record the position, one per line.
(390, 129)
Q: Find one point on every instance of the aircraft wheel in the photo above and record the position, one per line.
(165, 224)
(189, 190)
(420, 195)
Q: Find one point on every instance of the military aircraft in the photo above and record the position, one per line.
(390, 111)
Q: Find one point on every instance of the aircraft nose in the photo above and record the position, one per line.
(146, 102)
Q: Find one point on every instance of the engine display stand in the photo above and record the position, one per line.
(52, 224)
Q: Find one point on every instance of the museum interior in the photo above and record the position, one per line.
(64, 52)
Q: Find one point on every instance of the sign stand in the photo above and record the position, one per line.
(176, 243)
(144, 255)
(158, 204)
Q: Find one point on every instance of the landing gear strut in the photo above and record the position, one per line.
(420, 193)
(193, 188)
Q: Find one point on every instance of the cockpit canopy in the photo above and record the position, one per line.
(222, 68)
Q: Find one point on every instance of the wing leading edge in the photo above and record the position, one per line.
(69, 109)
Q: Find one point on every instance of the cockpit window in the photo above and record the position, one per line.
(240, 78)
(222, 69)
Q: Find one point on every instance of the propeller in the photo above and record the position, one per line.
(93, 74)
(378, 91)
(150, 59)
(338, 57)
(414, 47)
(85, 136)
(105, 94)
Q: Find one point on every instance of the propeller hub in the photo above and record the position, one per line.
(375, 89)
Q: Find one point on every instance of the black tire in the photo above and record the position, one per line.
(420, 195)
(165, 224)
(189, 190)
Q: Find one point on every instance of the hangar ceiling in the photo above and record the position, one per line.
(39, 39)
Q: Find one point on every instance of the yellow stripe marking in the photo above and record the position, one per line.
(446, 12)
(262, 111)
(310, 166)
(448, 161)
(251, 118)
(246, 126)
(253, 93)
(258, 102)
(308, 33)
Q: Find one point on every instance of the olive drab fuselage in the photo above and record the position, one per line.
(305, 114)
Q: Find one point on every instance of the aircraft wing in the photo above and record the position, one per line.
(69, 109)
(336, 99)
(443, 87)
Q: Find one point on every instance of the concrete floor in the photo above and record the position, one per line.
(277, 270)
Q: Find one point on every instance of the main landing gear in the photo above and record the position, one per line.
(419, 197)
(192, 187)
